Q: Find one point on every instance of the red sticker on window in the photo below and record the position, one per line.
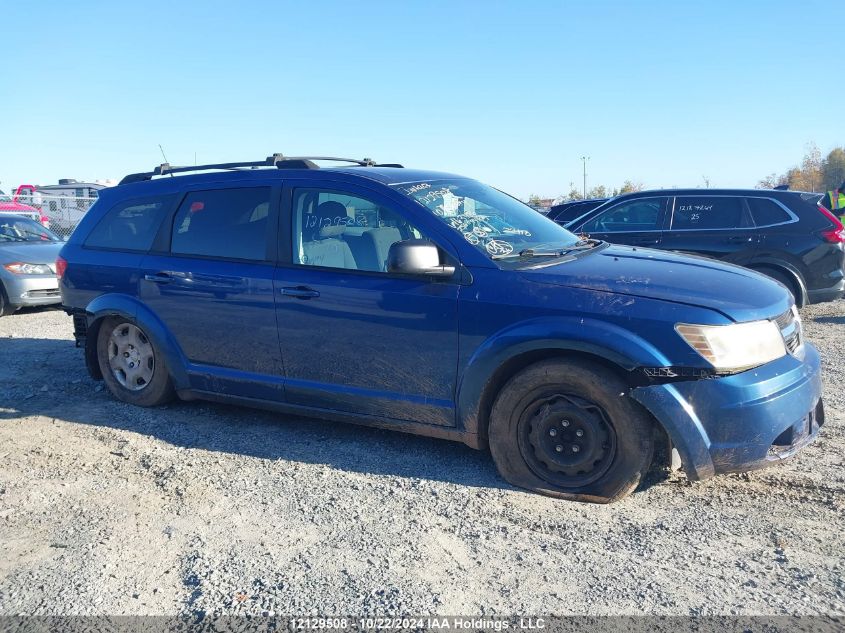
(197, 206)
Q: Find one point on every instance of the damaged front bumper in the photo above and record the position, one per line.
(741, 422)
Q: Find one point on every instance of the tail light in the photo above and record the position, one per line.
(836, 235)
(61, 267)
(45, 221)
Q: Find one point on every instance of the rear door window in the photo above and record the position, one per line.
(130, 225)
(644, 214)
(766, 212)
(224, 223)
(708, 212)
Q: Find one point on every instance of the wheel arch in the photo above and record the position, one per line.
(799, 287)
(510, 351)
(123, 306)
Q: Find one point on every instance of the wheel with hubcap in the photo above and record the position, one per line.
(130, 363)
(567, 428)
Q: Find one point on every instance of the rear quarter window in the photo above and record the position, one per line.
(766, 212)
(130, 225)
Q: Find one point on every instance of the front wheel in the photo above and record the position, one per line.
(132, 367)
(4, 306)
(568, 429)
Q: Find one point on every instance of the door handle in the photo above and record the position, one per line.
(159, 278)
(300, 292)
(645, 241)
(740, 239)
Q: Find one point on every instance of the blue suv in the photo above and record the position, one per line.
(431, 303)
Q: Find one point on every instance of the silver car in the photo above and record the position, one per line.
(28, 253)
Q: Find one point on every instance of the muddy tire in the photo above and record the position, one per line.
(133, 368)
(568, 429)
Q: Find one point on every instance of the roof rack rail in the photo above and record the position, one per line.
(279, 161)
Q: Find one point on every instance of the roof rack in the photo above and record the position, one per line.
(280, 161)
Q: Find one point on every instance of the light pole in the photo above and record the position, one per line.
(584, 160)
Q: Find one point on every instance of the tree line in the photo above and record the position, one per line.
(813, 173)
(599, 191)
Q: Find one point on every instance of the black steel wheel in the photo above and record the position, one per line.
(567, 440)
(567, 428)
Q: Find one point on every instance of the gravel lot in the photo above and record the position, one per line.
(199, 508)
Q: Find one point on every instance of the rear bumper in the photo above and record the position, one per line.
(32, 290)
(742, 422)
(833, 293)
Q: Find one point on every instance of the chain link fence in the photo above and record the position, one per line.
(62, 213)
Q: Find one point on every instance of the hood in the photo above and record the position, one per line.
(738, 293)
(30, 252)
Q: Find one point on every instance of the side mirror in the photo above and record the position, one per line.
(417, 257)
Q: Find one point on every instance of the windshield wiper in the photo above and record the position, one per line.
(560, 252)
(43, 237)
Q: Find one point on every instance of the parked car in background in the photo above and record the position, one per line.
(565, 213)
(28, 252)
(11, 206)
(785, 235)
(432, 303)
(64, 204)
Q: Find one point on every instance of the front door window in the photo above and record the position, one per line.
(338, 230)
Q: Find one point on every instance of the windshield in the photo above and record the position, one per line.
(17, 229)
(493, 222)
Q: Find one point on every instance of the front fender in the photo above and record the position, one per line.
(108, 305)
(610, 342)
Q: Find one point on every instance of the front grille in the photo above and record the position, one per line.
(789, 324)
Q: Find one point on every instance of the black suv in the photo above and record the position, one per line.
(567, 212)
(786, 235)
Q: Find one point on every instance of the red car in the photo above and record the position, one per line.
(10, 206)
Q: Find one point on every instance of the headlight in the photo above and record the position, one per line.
(737, 346)
(20, 268)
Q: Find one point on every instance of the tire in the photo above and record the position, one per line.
(5, 307)
(133, 367)
(567, 429)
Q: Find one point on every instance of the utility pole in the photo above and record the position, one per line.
(584, 160)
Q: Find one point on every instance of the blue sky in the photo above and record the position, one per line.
(512, 93)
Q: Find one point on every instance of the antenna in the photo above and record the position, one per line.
(166, 162)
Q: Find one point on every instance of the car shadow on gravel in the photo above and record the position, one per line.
(832, 320)
(47, 377)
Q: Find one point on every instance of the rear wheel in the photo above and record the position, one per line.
(567, 428)
(132, 367)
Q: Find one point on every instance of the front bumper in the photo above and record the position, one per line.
(32, 290)
(742, 422)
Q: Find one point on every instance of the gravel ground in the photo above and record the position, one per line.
(198, 508)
